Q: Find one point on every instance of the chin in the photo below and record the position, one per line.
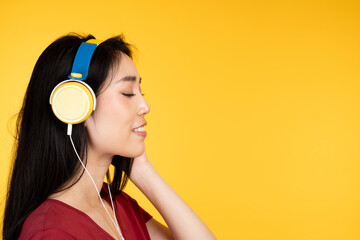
(133, 152)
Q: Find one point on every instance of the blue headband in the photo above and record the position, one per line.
(82, 59)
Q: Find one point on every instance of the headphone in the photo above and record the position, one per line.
(72, 101)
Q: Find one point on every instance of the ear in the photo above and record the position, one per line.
(86, 121)
(89, 120)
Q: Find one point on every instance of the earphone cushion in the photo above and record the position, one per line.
(72, 102)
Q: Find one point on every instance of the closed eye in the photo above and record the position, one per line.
(131, 94)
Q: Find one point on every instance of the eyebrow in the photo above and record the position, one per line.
(129, 78)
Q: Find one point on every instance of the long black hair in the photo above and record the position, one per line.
(43, 158)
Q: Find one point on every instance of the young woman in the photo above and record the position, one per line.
(56, 188)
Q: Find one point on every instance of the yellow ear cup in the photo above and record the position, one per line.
(72, 101)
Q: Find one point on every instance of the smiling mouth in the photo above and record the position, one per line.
(139, 129)
(140, 133)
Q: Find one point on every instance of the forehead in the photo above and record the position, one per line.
(125, 67)
(123, 72)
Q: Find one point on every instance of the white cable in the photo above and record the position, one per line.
(112, 204)
(116, 226)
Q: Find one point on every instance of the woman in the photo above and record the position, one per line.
(56, 189)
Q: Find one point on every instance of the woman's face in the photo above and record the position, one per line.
(110, 126)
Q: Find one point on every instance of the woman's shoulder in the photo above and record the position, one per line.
(46, 219)
(49, 233)
(56, 218)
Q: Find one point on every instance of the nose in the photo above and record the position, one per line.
(144, 107)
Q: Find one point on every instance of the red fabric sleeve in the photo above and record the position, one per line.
(142, 211)
(52, 234)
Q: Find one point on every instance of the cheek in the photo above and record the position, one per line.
(112, 122)
(114, 113)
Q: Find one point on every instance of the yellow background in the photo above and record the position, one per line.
(255, 105)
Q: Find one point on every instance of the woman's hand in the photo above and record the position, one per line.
(140, 164)
(181, 219)
(140, 159)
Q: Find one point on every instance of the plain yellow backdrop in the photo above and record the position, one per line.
(255, 105)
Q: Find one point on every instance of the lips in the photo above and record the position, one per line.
(142, 125)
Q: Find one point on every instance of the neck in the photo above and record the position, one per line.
(83, 193)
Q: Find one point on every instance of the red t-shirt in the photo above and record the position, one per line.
(57, 220)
